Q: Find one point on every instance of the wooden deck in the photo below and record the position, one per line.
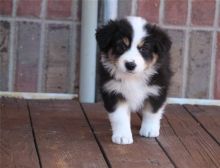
(66, 134)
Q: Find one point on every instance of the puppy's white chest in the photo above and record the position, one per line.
(134, 91)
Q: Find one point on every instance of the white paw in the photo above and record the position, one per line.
(150, 130)
(122, 138)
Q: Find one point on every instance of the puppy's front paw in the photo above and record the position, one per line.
(150, 130)
(121, 138)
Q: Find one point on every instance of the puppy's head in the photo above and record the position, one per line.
(132, 45)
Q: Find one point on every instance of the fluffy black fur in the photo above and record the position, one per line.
(161, 45)
(158, 42)
(108, 36)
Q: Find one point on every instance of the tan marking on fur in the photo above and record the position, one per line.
(111, 57)
(152, 62)
(147, 106)
(141, 43)
(126, 41)
(155, 58)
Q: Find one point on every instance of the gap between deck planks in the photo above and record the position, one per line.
(182, 139)
(63, 135)
(17, 148)
(65, 139)
(187, 143)
(209, 117)
(141, 154)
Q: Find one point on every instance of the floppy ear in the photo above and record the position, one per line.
(160, 38)
(104, 35)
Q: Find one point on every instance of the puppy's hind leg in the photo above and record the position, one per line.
(121, 127)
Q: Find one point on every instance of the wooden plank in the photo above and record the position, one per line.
(63, 135)
(16, 140)
(174, 147)
(186, 142)
(142, 153)
(209, 117)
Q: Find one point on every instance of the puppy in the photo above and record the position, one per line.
(134, 74)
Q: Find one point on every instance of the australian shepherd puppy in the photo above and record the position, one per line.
(135, 74)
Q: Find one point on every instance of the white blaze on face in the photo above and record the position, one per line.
(133, 55)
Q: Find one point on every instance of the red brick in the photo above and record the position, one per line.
(28, 47)
(57, 79)
(149, 9)
(59, 8)
(177, 54)
(199, 64)
(5, 7)
(4, 54)
(203, 12)
(58, 54)
(175, 12)
(78, 9)
(124, 8)
(26, 78)
(217, 78)
(29, 8)
(219, 19)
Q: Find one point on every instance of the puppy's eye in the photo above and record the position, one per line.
(144, 48)
(120, 48)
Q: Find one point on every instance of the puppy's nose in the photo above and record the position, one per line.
(130, 66)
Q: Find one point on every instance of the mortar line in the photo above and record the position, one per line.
(134, 7)
(12, 60)
(74, 7)
(34, 20)
(186, 49)
(43, 8)
(71, 59)
(74, 10)
(69, 22)
(161, 12)
(214, 51)
(202, 28)
(40, 83)
(73, 52)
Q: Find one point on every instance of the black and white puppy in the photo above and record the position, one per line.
(135, 74)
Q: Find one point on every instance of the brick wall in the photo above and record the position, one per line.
(39, 43)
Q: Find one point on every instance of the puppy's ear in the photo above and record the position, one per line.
(160, 38)
(104, 35)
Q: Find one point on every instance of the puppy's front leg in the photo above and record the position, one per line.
(150, 126)
(121, 127)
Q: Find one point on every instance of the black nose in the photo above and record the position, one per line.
(130, 66)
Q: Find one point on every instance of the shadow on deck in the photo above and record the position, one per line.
(66, 134)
